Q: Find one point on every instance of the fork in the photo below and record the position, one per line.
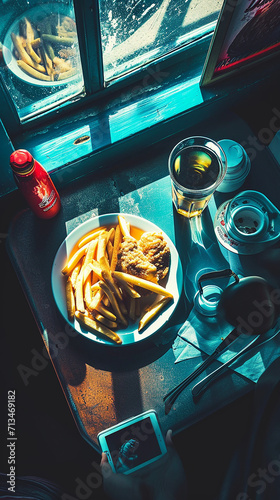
(201, 386)
(170, 398)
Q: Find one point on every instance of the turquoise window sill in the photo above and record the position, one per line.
(113, 126)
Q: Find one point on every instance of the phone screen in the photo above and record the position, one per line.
(133, 446)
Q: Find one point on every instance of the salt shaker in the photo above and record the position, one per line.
(238, 166)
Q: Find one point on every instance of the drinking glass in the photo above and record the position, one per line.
(197, 165)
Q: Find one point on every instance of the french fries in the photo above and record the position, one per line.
(152, 311)
(97, 327)
(33, 72)
(102, 299)
(140, 282)
(18, 44)
(123, 226)
(70, 299)
(116, 244)
(114, 303)
(107, 277)
(91, 236)
(47, 49)
(74, 260)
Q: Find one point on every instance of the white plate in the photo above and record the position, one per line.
(174, 283)
(33, 15)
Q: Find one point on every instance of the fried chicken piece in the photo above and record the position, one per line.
(156, 250)
(131, 260)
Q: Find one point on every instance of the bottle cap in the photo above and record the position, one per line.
(22, 162)
(238, 166)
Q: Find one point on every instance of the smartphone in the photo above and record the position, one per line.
(133, 443)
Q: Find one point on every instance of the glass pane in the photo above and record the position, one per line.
(135, 32)
(41, 61)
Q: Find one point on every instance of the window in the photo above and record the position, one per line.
(136, 32)
(55, 53)
(41, 55)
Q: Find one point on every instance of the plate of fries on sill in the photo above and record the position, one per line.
(117, 279)
(41, 46)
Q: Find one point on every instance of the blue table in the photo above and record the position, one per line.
(100, 387)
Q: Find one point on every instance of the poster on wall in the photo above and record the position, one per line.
(247, 33)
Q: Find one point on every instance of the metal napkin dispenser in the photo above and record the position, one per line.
(248, 223)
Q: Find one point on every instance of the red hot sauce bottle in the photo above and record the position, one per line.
(35, 184)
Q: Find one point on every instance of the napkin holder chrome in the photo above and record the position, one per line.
(247, 224)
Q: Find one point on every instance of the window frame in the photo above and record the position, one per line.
(95, 89)
(193, 104)
(89, 37)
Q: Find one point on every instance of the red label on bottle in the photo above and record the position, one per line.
(35, 185)
(48, 201)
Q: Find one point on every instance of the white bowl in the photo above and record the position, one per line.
(34, 14)
(129, 335)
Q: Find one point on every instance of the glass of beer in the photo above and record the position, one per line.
(197, 165)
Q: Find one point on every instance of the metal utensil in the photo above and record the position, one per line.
(201, 386)
(237, 300)
(172, 395)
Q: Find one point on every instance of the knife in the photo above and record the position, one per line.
(206, 381)
(172, 395)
